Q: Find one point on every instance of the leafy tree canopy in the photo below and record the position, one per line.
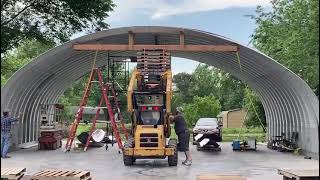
(22, 55)
(290, 34)
(207, 106)
(49, 20)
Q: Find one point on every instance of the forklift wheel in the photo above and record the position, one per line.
(128, 160)
(198, 147)
(194, 143)
(173, 160)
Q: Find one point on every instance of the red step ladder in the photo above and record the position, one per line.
(105, 88)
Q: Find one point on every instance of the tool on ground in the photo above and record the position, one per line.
(248, 144)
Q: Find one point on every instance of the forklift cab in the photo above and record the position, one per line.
(149, 108)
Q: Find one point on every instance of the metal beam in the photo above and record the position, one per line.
(139, 47)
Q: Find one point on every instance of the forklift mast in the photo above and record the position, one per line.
(150, 89)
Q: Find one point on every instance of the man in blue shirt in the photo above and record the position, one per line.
(6, 122)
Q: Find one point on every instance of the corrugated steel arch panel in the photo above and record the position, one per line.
(289, 103)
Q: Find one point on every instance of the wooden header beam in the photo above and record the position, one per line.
(139, 47)
(131, 46)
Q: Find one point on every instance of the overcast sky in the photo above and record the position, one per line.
(223, 17)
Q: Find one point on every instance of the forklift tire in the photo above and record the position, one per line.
(198, 147)
(173, 160)
(194, 142)
(128, 160)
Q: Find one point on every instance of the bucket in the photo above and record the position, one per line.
(98, 135)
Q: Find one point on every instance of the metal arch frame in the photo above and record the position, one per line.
(289, 103)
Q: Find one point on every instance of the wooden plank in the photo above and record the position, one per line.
(9, 171)
(4, 171)
(75, 172)
(68, 173)
(141, 61)
(130, 39)
(46, 173)
(12, 173)
(139, 47)
(220, 177)
(181, 38)
(153, 57)
(87, 173)
(11, 176)
(61, 173)
(40, 172)
(53, 173)
(87, 178)
(20, 176)
(153, 54)
(296, 173)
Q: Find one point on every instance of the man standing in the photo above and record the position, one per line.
(6, 122)
(181, 129)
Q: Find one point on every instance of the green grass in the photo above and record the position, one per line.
(244, 130)
(86, 128)
(229, 134)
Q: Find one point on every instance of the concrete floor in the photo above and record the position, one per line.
(260, 164)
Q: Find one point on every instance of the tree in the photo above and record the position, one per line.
(50, 20)
(22, 55)
(290, 34)
(176, 101)
(231, 92)
(207, 106)
(206, 80)
(256, 114)
(184, 83)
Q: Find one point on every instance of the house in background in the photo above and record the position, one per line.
(233, 118)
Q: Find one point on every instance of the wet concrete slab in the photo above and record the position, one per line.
(103, 165)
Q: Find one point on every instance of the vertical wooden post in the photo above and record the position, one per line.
(130, 40)
(181, 38)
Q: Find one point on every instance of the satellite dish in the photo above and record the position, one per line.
(98, 135)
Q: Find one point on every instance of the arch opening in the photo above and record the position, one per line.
(289, 103)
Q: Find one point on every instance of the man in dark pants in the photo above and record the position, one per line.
(6, 122)
(181, 129)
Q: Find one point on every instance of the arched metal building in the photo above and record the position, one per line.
(289, 103)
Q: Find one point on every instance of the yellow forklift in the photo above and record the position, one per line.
(149, 102)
